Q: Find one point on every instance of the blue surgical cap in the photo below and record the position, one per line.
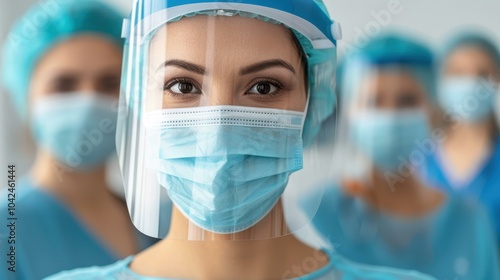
(473, 39)
(389, 51)
(42, 27)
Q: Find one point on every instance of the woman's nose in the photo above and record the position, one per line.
(89, 87)
(220, 95)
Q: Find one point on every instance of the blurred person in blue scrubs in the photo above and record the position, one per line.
(468, 160)
(379, 212)
(62, 66)
(225, 101)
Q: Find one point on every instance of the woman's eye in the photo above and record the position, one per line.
(408, 100)
(109, 84)
(485, 75)
(65, 84)
(182, 87)
(264, 89)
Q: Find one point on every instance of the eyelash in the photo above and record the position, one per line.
(168, 85)
(278, 85)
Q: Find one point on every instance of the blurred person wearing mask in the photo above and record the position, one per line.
(225, 100)
(467, 161)
(380, 213)
(62, 66)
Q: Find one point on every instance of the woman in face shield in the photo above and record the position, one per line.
(379, 212)
(468, 160)
(62, 66)
(221, 98)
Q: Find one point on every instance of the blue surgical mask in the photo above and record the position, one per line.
(77, 128)
(470, 99)
(389, 138)
(224, 167)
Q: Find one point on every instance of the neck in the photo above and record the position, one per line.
(245, 255)
(465, 148)
(406, 196)
(463, 134)
(72, 185)
(385, 184)
(271, 226)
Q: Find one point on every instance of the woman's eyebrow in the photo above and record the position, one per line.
(64, 76)
(265, 65)
(184, 65)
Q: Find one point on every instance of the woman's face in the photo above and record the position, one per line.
(210, 61)
(391, 90)
(471, 61)
(85, 63)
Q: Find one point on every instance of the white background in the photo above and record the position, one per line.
(432, 20)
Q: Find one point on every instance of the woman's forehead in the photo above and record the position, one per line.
(470, 54)
(394, 82)
(232, 37)
(81, 54)
(390, 78)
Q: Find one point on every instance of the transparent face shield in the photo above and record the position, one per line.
(386, 124)
(214, 114)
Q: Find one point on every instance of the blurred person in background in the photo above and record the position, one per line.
(62, 66)
(468, 160)
(379, 212)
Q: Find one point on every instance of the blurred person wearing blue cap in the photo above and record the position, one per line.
(61, 65)
(468, 160)
(223, 101)
(379, 212)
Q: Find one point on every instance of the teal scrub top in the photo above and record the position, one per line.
(455, 242)
(484, 185)
(338, 268)
(48, 237)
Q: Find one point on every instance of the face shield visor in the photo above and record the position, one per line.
(221, 102)
(386, 121)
